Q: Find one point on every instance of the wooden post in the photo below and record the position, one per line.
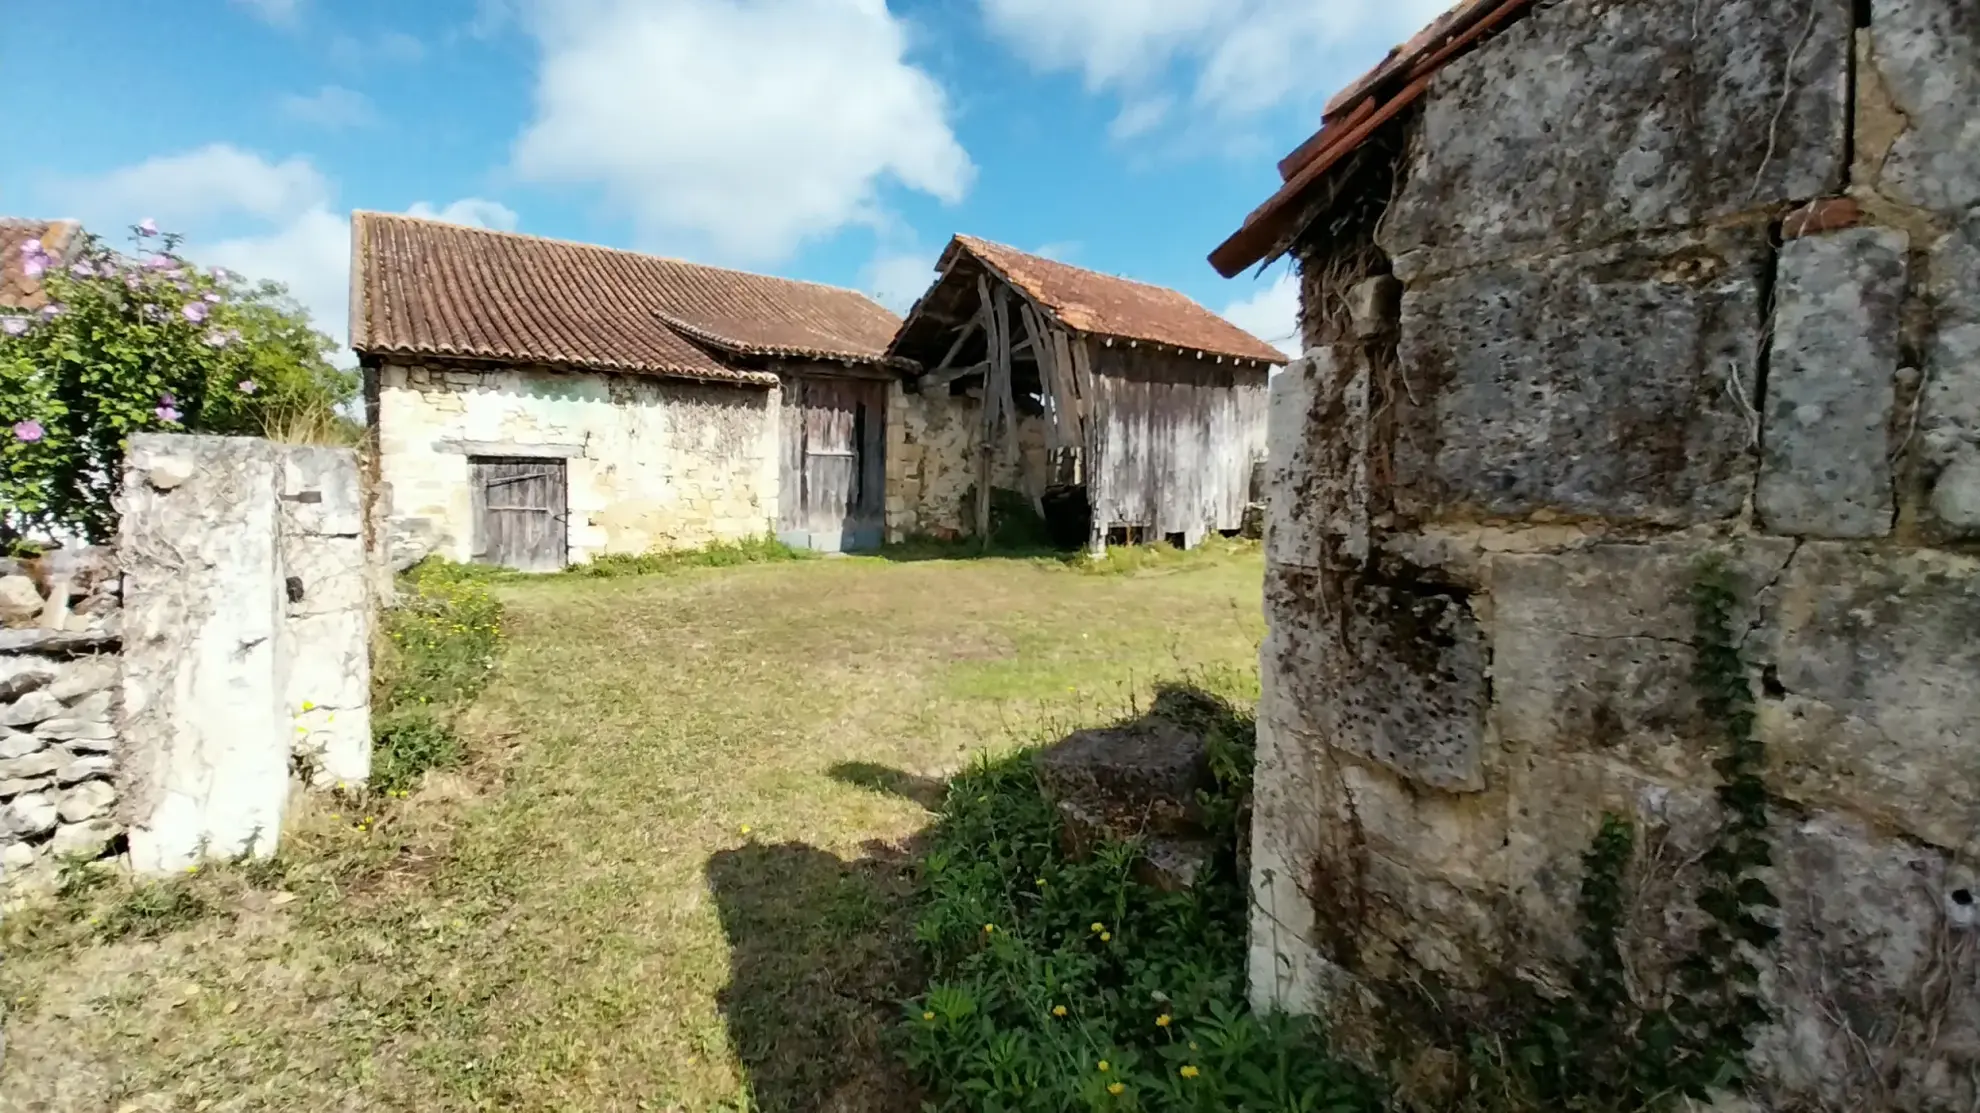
(997, 357)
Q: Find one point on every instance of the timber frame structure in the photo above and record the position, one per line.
(1149, 403)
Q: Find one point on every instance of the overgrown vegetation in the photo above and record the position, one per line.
(717, 554)
(142, 343)
(1063, 984)
(439, 650)
(1615, 1045)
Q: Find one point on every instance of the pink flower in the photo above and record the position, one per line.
(133, 281)
(219, 273)
(13, 326)
(194, 311)
(159, 263)
(33, 265)
(167, 414)
(168, 399)
(247, 386)
(215, 338)
(83, 270)
(28, 431)
(147, 227)
(53, 310)
(212, 297)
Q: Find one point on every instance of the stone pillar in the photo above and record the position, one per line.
(206, 761)
(325, 657)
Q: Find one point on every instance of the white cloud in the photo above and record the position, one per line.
(896, 279)
(197, 185)
(737, 129)
(477, 212)
(1238, 56)
(1271, 313)
(332, 106)
(266, 220)
(277, 13)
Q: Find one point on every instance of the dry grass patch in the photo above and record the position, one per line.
(669, 879)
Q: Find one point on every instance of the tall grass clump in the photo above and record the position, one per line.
(441, 642)
(717, 554)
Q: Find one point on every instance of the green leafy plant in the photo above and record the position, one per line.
(442, 641)
(1069, 984)
(719, 554)
(134, 344)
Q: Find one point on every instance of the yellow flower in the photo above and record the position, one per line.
(308, 706)
(1115, 1088)
(988, 928)
(1058, 1010)
(1106, 937)
(745, 828)
(192, 869)
(927, 1016)
(1188, 1070)
(1041, 883)
(1162, 1021)
(1098, 927)
(1192, 1045)
(1105, 1066)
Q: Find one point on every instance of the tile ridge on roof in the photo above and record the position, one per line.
(504, 234)
(969, 239)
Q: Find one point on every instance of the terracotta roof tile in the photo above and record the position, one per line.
(421, 287)
(1354, 115)
(1104, 305)
(58, 237)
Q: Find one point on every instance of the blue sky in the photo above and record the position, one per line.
(841, 141)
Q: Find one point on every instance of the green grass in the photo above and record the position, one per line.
(672, 873)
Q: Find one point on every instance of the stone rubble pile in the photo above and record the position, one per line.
(59, 619)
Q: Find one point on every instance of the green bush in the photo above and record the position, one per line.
(1059, 984)
(442, 640)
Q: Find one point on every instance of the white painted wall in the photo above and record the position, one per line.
(653, 463)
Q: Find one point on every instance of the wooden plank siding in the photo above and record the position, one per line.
(521, 515)
(1173, 439)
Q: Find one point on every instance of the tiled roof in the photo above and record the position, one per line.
(1104, 305)
(58, 238)
(421, 287)
(1354, 115)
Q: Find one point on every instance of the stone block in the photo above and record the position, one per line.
(1386, 669)
(39, 764)
(12, 787)
(1949, 415)
(1593, 651)
(1615, 118)
(1929, 59)
(20, 601)
(1127, 780)
(84, 768)
(1826, 469)
(206, 746)
(21, 675)
(1872, 706)
(32, 708)
(1589, 384)
(15, 745)
(321, 494)
(84, 677)
(1316, 463)
(28, 816)
(86, 801)
(88, 839)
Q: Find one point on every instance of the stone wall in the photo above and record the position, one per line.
(157, 696)
(651, 463)
(1733, 307)
(932, 462)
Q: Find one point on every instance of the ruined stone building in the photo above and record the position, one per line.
(1592, 290)
(537, 402)
(1120, 405)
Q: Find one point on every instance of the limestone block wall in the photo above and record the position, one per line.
(158, 696)
(1733, 308)
(651, 463)
(932, 462)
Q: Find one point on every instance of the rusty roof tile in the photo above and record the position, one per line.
(1354, 115)
(60, 238)
(1104, 305)
(421, 287)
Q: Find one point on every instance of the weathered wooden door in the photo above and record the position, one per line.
(833, 495)
(521, 518)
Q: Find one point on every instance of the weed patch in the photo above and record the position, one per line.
(720, 554)
(441, 644)
(1064, 984)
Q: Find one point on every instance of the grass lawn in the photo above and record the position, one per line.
(670, 878)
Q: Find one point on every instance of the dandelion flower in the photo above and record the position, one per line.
(1058, 1010)
(1189, 1070)
(1105, 1066)
(1106, 937)
(1162, 1021)
(988, 928)
(1098, 927)
(928, 1016)
(1116, 1088)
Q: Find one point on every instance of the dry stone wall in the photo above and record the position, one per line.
(1732, 308)
(933, 462)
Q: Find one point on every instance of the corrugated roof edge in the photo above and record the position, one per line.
(1352, 117)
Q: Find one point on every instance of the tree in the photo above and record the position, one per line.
(132, 344)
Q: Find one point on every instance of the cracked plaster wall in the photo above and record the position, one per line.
(1733, 306)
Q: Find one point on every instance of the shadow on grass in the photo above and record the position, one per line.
(821, 952)
(926, 791)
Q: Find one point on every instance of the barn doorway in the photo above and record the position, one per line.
(521, 512)
(833, 496)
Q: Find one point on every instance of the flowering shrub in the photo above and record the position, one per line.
(130, 344)
(1063, 985)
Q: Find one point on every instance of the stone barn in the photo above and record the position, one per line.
(537, 403)
(1610, 308)
(1124, 407)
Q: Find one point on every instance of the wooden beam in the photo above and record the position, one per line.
(949, 375)
(969, 327)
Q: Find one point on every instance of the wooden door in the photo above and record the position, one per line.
(833, 493)
(521, 519)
